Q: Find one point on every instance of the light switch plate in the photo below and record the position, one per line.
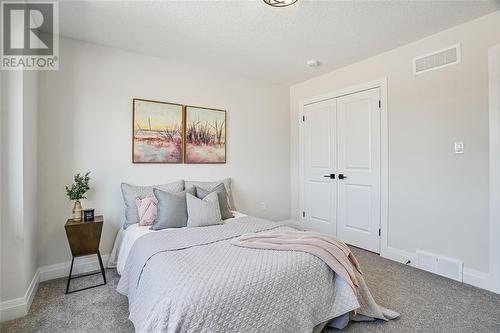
(459, 147)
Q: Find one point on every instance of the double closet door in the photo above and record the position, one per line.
(341, 168)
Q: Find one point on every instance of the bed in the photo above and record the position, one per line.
(194, 280)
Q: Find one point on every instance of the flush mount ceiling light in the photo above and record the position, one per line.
(280, 3)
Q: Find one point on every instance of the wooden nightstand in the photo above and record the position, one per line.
(84, 238)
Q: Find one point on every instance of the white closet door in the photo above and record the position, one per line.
(320, 154)
(358, 125)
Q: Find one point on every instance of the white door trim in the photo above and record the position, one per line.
(384, 152)
(494, 122)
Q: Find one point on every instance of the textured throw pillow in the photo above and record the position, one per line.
(220, 189)
(203, 212)
(146, 209)
(172, 210)
(210, 185)
(130, 192)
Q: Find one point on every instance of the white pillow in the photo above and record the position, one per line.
(203, 212)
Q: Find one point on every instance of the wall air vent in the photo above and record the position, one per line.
(436, 60)
(448, 267)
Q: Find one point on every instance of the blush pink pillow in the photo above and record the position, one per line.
(147, 210)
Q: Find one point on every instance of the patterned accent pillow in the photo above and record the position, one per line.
(203, 212)
(130, 192)
(147, 210)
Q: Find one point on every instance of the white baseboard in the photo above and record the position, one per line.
(399, 256)
(477, 279)
(19, 307)
(470, 276)
(82, 265)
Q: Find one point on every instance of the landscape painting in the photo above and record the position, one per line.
(205, 135)
(158, 130)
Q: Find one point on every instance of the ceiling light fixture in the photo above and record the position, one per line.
(280, 3)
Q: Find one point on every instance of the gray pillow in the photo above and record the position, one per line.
(172, 209)
(204, 212)
(130, 192)
(210, 185)
(220, 189)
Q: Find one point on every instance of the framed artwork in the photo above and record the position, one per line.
(157, 132)
(205, 135)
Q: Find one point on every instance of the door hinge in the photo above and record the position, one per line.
(379, 104)
(303, 118)
(379, 232)
(303, 214)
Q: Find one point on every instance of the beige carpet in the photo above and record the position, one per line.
(427, 303)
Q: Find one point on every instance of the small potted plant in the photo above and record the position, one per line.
(77, 192)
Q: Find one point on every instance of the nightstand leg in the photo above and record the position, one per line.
(102, 266)
(70, 271)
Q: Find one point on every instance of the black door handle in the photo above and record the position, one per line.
(331, 176)
(342, 176)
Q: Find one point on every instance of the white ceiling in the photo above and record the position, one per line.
(250, 38)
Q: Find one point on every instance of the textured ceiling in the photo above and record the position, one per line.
(252, 39)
